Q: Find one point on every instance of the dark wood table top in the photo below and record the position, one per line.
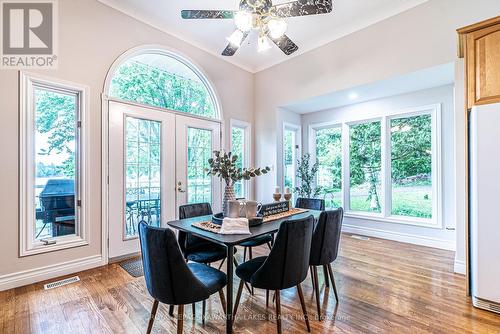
(185, 225)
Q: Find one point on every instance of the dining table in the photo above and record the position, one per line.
(270, 226)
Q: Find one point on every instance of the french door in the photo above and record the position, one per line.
(157, 161)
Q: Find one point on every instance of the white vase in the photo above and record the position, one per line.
(228, 196)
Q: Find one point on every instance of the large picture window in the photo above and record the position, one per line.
(51, 165)
(329, 158)
(365, 164)
(392, 165)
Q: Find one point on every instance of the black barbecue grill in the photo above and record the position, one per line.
(57, 202)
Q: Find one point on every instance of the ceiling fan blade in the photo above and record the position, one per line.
(207, 14)
(231, 49)
(302, 8)
(285, 44)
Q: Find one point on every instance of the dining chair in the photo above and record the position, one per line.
(310, 203)
(169, 279)
(285, 267)
(324, 249)
(266, 239)
(197, 249)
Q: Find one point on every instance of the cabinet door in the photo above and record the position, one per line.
(483, 66)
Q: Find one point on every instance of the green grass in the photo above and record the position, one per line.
(409, 200)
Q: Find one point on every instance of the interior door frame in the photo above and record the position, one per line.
(105, 101)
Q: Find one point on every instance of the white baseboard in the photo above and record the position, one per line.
(460, 267)
(30, 276)
(401, 237)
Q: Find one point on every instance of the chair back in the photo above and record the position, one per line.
(326, 237)
(288, 262)
(168, 278)
(310, 203)
(187, 241)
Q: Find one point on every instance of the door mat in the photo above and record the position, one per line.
(133, 267)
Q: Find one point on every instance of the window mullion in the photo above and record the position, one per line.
(386, 173)
(345, 167)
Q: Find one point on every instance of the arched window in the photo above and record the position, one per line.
(164, 80)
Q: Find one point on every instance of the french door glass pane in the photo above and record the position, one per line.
(411, 158)
(365, 167)
(237, 148)
(289, 158)
(329, 157)
(199, 184)
(142, 173)
(55, 161)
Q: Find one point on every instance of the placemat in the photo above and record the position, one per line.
(211, 227)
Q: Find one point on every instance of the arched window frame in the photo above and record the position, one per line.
(163, 51)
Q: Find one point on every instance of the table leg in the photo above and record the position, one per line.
(229, 292)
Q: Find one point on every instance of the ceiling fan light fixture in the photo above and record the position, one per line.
(263, 44)
(243, 20)
(236, 38)
(277, 27)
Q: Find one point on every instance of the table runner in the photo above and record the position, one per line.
(211, 227)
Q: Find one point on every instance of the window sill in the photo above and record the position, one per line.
(61, 243)
(426, 223)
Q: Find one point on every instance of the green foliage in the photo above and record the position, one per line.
(329, 156)
(307, 175)
(55, 117)
(224, 166)
(144, 84)
(365, 159)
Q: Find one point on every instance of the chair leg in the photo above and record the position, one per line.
(250, 256)
(246, 284)
(269, 246)
(325, 274)
(171, 310)
(278, 310)
(303, 304)
(222, 300)
(316, 291)
(222, 263)
(193, 307)
(152, 317)
(267, 298)
(203, 309)
(238, 297)
(244, 254)
(312, 278)
(180, 319)
(333, 282)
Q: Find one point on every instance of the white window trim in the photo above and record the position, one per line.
(298, 152)
(247, 148)
(386, 194)
(27, 244)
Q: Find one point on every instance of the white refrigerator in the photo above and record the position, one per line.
(485, 206)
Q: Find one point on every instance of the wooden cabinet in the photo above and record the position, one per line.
(480, 45)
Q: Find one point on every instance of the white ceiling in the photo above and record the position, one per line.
(411, 82)
(308, 32)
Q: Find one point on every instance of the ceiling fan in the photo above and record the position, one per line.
(266, 18)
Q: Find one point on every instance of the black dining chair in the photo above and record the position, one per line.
(285, 267)
(197, 249)
(169, 279)
(310, 203)
(325, 248)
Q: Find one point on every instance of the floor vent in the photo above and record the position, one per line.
(359, 237)
(62, 282)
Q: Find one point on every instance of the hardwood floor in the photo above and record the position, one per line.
(384, 287)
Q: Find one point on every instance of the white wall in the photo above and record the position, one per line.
(91, 37)
(444, 95)
(422, 37)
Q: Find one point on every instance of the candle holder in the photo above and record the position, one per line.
(276, 197)
(288, 197)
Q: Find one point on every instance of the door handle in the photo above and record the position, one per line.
(179, 187)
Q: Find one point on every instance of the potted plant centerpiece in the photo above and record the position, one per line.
(224, 166)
